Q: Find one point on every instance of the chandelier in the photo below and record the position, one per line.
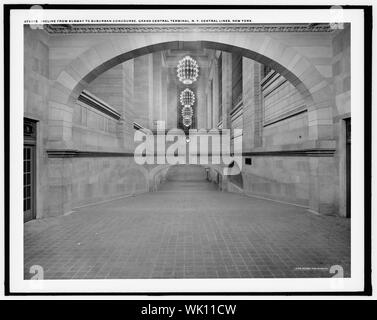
(187, 112)
(187, 122)
(187, 70)
(187, 97)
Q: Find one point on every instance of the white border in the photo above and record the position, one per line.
(17, 284)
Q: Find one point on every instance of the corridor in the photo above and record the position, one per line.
(187, 229)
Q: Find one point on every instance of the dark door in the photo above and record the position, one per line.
(348, 167)
(29, 183)
(29, 169)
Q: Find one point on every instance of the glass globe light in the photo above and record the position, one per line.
(187, 111)
(187, 97)
(187, 70)
(187, 122)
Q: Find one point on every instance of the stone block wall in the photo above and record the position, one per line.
(282, 121)
(324, 184)
(80, 181)
(96, 179)
(93, 130)
(279, 97)
(172, 103)
(341, 72)
(128, 113)
(36, 95)
(252, 104)
(116, 88)
(293, 130)
(58, 198)
(109, 87)
(306, 181)
(201, 99)
(275, 122)
(281, 178)
(143, 73)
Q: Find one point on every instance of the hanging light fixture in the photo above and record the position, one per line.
(187, 111)
(187, 97)
(187, 122)
(187, 70)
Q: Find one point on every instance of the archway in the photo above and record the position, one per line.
(96, 60)
(287, 61)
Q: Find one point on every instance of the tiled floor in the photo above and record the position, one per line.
(188, 230)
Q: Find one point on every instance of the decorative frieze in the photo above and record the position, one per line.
(158, 28)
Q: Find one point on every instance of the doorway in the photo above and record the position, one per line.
(29, 169)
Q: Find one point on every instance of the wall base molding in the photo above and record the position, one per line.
(107, 200)
(278, 201)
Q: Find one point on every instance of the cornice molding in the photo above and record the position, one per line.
(68, 153)
(292, 153)
(157, 28)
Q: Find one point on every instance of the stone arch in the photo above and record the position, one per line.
(98, 59)
(187, 172)
(287, 61)
(136, 177)
(152, 173)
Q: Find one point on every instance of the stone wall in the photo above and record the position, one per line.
(93, 130)
(172, 102)
(274, 117)
(143, 95)
(285, 119)
(109, 87)
(80, 181)
(303, 181)
(128, 113)
(288, 131)
(252, 105)
(275, 124)
(153, 91)
(36, 95)
(282, 178)
(65, 183)
(341, 72)
(201, 99)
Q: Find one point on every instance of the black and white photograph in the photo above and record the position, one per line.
(187, 150)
